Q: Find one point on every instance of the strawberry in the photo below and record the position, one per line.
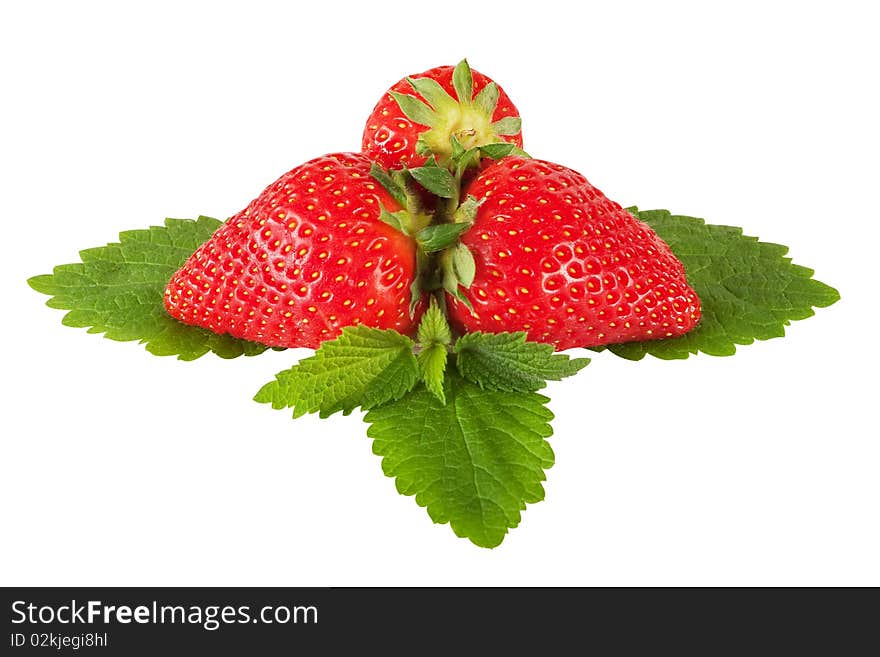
(306, 258)
(557, 259)
(403, 130)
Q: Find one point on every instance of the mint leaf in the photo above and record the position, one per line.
(505, 361)
(118, 290)
(433, 326)
(474, 462)
(432, 367)
(748, 289)
(434, 335)
(362, 367)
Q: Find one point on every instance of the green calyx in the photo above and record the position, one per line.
(437, 219)
(434, 214)
(467, 118)
(443, 262)
(413, 217)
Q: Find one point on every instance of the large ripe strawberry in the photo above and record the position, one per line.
(403, 130)
(557, 259)
(306, 258)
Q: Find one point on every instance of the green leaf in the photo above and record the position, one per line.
(439, 236)
(451, 281)
(415, 110)
(381, 176)
(421, 281)
(448, 276)
(436, 180)
(118, 290)
(467, 211)
(474, 462)
(505, 361)
(457, 148)
(422, 147)
(434, 328)
(463, 81)
(467, 159)
(748, 289)
(464, 265)
(453, 289)
(397, 220)
(362, 367)
(497, 151)
(435, 94)
(487, 99)
(509, 125)
(432, 365)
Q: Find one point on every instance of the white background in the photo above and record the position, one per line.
(120, 468)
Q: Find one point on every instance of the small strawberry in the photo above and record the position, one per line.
(306, 258)
(403, 130)
(557, 259)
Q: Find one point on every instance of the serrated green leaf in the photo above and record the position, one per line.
(509, 125)
(487, 99)
(362, 367)
(415, 110)
(433, 327)
(748, 289)
(432, 365)
(505, 361)
(118, 290)
(463, 81)
(440, 236)
(436, 180)
(474, 462)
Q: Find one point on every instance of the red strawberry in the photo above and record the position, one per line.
(306, 258)
(403, 130)
(557, 259)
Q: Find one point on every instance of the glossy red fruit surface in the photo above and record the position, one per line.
(306, 258)
(390, 136)
(557, 259)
